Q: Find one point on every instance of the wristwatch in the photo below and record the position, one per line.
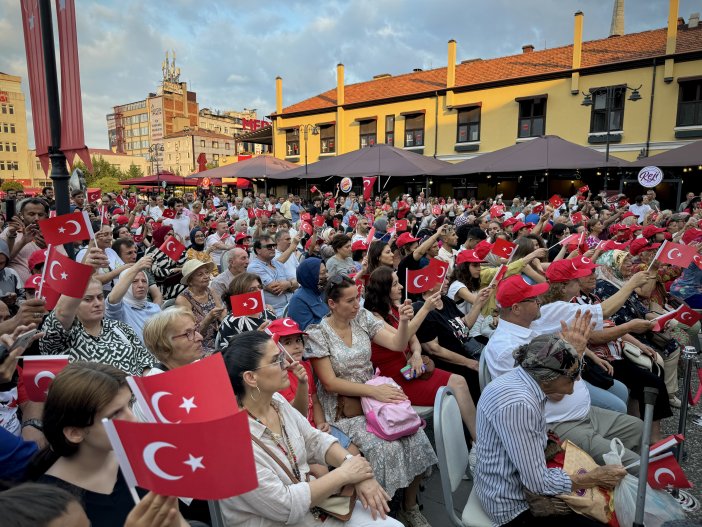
(35, 423)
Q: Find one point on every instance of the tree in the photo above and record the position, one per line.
(107, 184)
(133, 172)
(101, 169)
(11, 185)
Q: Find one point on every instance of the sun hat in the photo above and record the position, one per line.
(191, 266)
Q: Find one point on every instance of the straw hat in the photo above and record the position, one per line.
(191, 266)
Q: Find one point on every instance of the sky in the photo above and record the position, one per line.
(230, 51)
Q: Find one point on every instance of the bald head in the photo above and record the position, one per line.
(238, 261)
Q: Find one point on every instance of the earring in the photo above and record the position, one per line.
(259, 394)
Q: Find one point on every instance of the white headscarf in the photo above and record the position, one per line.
(129, 295)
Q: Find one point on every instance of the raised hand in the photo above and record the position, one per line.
(578, 332)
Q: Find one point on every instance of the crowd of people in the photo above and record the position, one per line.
(533, 339)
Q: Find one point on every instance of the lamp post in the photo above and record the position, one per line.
(306, 128)
(154, 150)
(611, 93)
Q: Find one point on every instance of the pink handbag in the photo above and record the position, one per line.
(389, 421)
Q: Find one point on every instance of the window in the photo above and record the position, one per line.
(468, 125)
(2, 165)
(532, 117)
(12, 109)
(690, 104)
(215, 157)
(202, 143)
(614, 98)
(14, 147)
(215, 144)
(12, 128)
(414, 130)
(367, 133)
(226, 146)
(327, 139)
(390, 130)
(1, 148)
(4, 108)
(292, 142)
(5, 127)
(13, 165)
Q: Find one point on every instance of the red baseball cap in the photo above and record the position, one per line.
(516, 289)
(651, 230)
(405, 238)
(121, 219)
(118, 211)
(240, 236)
(640, 245)
(627, 214)
(565, 271)
(284, 327)
(547, 228)
(518, 226)
(582, 262)
(691, 235)
(468, 256)
(36, 258)
(482, 249)
(359, 245)
(509, 221)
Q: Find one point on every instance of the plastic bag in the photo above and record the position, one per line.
(660, 507)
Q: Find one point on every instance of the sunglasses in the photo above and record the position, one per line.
(268, 246)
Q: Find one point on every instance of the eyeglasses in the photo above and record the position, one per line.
(268, 246)
(280, 362)
(190, 334)
(535, 300)
(572, 375)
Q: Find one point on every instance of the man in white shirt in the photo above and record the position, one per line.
(640, 208)
(181, 222)
(362, 228)
(448, 252)
(237, 264)
(573, 417)
(219, 242)
(285, 253)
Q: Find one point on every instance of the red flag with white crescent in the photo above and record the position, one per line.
(38, 373)
(676, 254)
(664, 471)
(686, 315)
(186, 459)
(247, 304)
(438, 269)
(420, 280)
(368, 183)
(172, 248)
(36, 74)
(65, 276)
(67, 228)
(94, 195)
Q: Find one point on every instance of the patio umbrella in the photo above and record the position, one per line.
(548, 152)
(683, 156)
(154, 180)
(378, 160)
(255, 167)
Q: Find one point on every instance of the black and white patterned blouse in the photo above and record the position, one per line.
(232, 325)
(162, 269)
(117, 344)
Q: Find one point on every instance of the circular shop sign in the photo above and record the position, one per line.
(345, 185)
(649, 177)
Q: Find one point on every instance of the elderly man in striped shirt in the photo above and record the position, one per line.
(513, 432)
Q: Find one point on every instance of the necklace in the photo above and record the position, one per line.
(289, 453)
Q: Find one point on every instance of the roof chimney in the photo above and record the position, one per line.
(451, 65)
(528, 48)
(278, 95)
(693, 21)
(340, 84)
(617, 27)
(577, 52)
(671, 39)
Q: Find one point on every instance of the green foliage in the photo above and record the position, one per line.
(107, 184)
(11, 185)
(211, 164)
(101, 169)
(133, 172)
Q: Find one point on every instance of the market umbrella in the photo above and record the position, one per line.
(377, 160)
(254, 167)
(683, 156)
(548, 152)
(149, 181)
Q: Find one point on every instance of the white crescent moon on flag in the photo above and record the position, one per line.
(51, 269)
(78, 227)
(657, 474)
(415, 281)
(150, 460)
(168, 245)
(442, 272)
(670, 254)
(36, 280)
(254, 300)
(288, 323)
(685, 317)
(155, 398)
(43, 375)
(366, 182)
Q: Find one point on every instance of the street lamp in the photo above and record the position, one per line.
(306, 128)
(611, 93)
(154, 150)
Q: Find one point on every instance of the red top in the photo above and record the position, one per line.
(290, 391)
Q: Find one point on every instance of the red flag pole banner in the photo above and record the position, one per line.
(72, 134)
(38, 373)
(66, 276)
(658, 253)
(37, 80)
(186, 459)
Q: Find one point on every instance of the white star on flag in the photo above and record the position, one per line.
(62, 230)
(188, 404)
(194, 462)
(64, 276)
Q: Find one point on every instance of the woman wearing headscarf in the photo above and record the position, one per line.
(197, 250)
(307, 305)
(166, 270)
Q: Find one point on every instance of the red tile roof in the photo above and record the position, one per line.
(612, 50)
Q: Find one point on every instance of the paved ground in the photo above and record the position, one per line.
(433, 503)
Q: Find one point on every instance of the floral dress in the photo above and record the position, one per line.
(200, 312)
(395, 463)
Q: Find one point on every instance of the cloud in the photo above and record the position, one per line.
(230, 51)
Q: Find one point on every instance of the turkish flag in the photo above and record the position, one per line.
(420, 280)
(503, 248)
(371, 236)
(138, 238)
(104, 216)
(332, 203)
(119, 199)
(497, 210)
(67, 228)
(436, 210)
(686, 315)
(368, 183)
(576, 217)
(538, 208)
(131, 203)
(401, 225)
(258, 213)
(65, 276)
(94, 195)
(353, 221)
(307, 228)
(555, 201)
(172, 248)
(336, 223)
(664, 471)
(501, 272)
(187, 459)
(38, 373)
(438, 269)
(611, 245)
(698, 260)
(306, 216)
(573, 238)
(169, 213)
(313, 189)
(319, 221)
(50, 296)
(200, 391)
(662, 320)
(676, 254)
(247, 304)
(584, 189)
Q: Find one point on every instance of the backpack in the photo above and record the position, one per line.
(389, 421)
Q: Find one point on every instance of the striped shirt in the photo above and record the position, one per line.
(511, 431)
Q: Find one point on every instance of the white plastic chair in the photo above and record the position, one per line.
(452, 451)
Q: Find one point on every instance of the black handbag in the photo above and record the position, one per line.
(596, 376)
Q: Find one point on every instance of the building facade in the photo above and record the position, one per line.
(14, 162)
(648, 84)
(181, 150)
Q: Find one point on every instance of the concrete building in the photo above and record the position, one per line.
(181, 150)
(235, 124)
(14, 163)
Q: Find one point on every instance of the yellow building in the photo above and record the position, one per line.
(13, 131)
(182, 149)
(479, 106)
